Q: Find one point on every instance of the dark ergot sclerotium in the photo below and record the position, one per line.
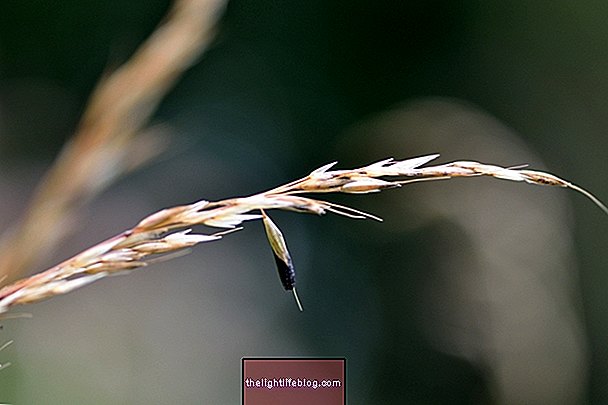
(287, 272)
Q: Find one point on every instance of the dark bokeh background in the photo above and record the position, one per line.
(287, 87)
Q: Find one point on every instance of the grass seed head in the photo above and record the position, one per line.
(168, 231)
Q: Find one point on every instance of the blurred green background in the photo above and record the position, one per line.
(471, 292)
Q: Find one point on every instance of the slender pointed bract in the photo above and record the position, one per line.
(287, 273)
(295, 296)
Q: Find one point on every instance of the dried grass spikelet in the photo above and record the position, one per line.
(282, 257)
(168, 230)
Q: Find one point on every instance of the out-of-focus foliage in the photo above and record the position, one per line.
(469, 292)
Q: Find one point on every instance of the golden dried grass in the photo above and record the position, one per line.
(169, 230)
(112, 137)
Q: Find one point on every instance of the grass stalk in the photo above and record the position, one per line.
(165, 232)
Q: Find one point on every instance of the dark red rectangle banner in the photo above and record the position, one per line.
(294, 381)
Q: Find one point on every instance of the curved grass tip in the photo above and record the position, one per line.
(547, 179)
(590, 196)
